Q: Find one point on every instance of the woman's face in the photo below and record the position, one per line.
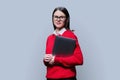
(59, 19)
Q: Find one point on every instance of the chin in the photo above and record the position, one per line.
(58, 26)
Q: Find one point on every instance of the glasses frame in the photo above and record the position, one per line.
(62, 18)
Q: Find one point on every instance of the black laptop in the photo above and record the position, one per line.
(63, 46)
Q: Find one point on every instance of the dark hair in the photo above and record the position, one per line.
(65, 11)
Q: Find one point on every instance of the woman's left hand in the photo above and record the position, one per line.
(52, 60)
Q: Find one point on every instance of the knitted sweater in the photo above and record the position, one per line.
(63, 67)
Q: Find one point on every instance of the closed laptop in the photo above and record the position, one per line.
(63, 46)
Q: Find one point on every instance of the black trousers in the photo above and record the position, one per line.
(73, 78)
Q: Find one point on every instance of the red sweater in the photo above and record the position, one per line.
(64, 67)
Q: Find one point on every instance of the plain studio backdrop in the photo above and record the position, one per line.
(25, 25)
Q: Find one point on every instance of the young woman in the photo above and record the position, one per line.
(58, 67)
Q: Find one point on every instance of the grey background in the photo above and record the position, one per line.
(25, 25)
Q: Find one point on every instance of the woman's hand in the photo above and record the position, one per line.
(49, 58)
(52, 60)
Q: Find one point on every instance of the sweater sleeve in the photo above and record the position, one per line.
(47, 52)
(49, 46)
(75, 59)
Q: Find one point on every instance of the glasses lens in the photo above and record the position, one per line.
(59, 17)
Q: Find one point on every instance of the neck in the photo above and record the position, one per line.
(58, 29)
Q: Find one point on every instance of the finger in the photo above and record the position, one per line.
(47, 59)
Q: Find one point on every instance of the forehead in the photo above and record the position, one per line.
(59, 13)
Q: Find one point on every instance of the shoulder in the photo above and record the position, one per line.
(51, 36)
(70, 34)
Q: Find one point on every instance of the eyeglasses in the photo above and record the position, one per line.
(59, 17)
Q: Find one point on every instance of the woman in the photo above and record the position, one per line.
(58, 67)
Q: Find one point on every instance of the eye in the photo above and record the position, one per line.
(62, 17)
(56, 17)
(59, 17)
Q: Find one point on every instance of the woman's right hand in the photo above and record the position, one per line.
(48, 57)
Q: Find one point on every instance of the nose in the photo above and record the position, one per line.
(58, 18)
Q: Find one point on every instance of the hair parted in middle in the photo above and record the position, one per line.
(65, 11)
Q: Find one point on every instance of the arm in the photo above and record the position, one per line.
(46, 58)
(49, 58)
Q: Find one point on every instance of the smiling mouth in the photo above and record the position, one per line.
(58, 23)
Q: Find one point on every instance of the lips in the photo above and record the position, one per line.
(58, 23)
